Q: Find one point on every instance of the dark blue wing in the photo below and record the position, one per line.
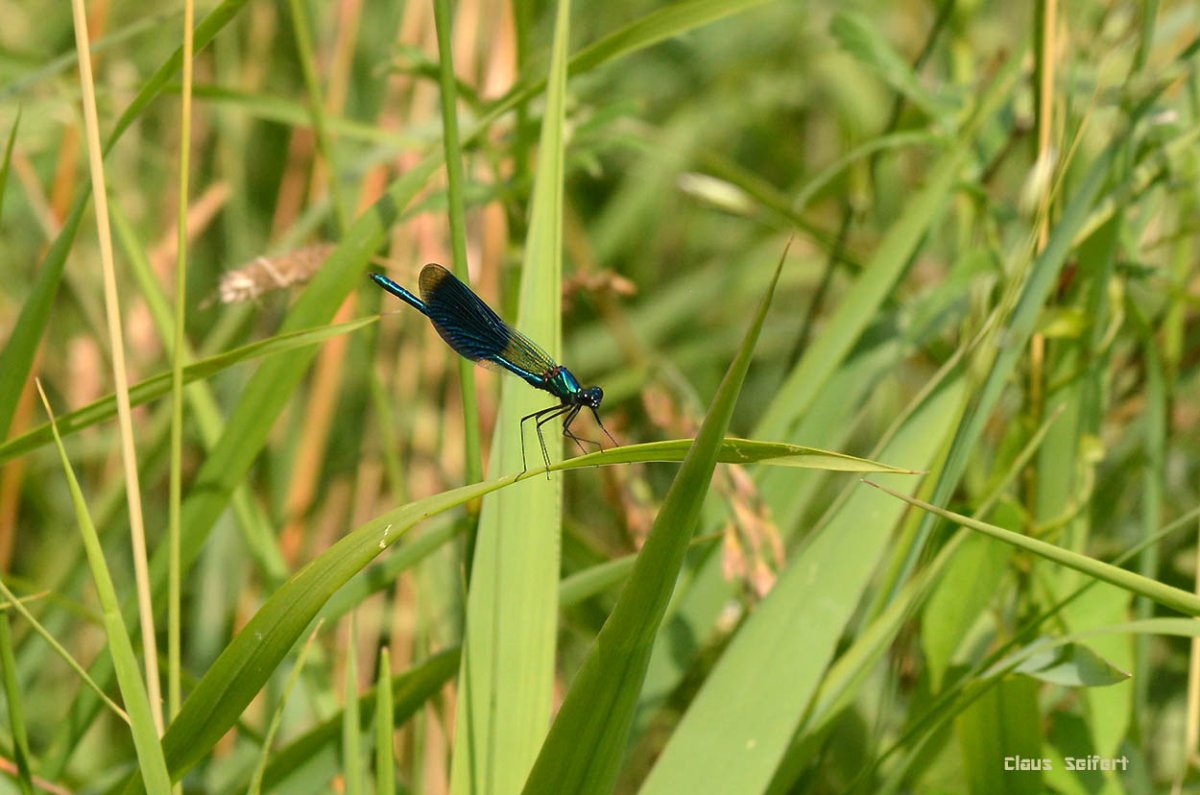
(474, 331)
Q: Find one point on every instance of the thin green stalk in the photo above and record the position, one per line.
(256, 780)
(308, 66)
(174, 697)
(351, 746)
(16, 713)
(112, 302)
(385, 763)
(458, 236)
(1165, 595)
(7, 164)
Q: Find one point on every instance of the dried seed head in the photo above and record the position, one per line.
(266, 274)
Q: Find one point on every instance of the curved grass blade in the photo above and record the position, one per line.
(157, 386)
(205, 32)
(733, 450)
(587, 741)
(249, 660)
(18, 354)
(655, 27)
(1165, 595)
(318, 747)
(252, 656)
(145, 736)
(58, 648)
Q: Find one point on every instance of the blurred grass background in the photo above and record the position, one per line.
(992, 278)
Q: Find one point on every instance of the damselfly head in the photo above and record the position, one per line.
(591, 397)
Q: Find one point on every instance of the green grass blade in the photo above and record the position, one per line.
(587, 741)
(643, 32)
(738, 451)
(255, 786)
(1165, 595)
(60, 651)
(246, 663)
(272, 385)
(22, 345)
(583, 585)
(385, 727)
(740, 725)
(208, 28)
(507, 678)
(352, 773)
(151, 760)
(657, 26)
(457, 214)
(1015, 336)
(862, 39)
(16, 709)
(847, 322)
(316, 755)
(23, 341)
(6, 165)
(159, 385)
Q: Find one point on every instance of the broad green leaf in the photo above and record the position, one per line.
(1002, 722)
(583, 751)
(507, 677)
(739, 726)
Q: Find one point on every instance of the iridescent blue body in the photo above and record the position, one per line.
(475, 332)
